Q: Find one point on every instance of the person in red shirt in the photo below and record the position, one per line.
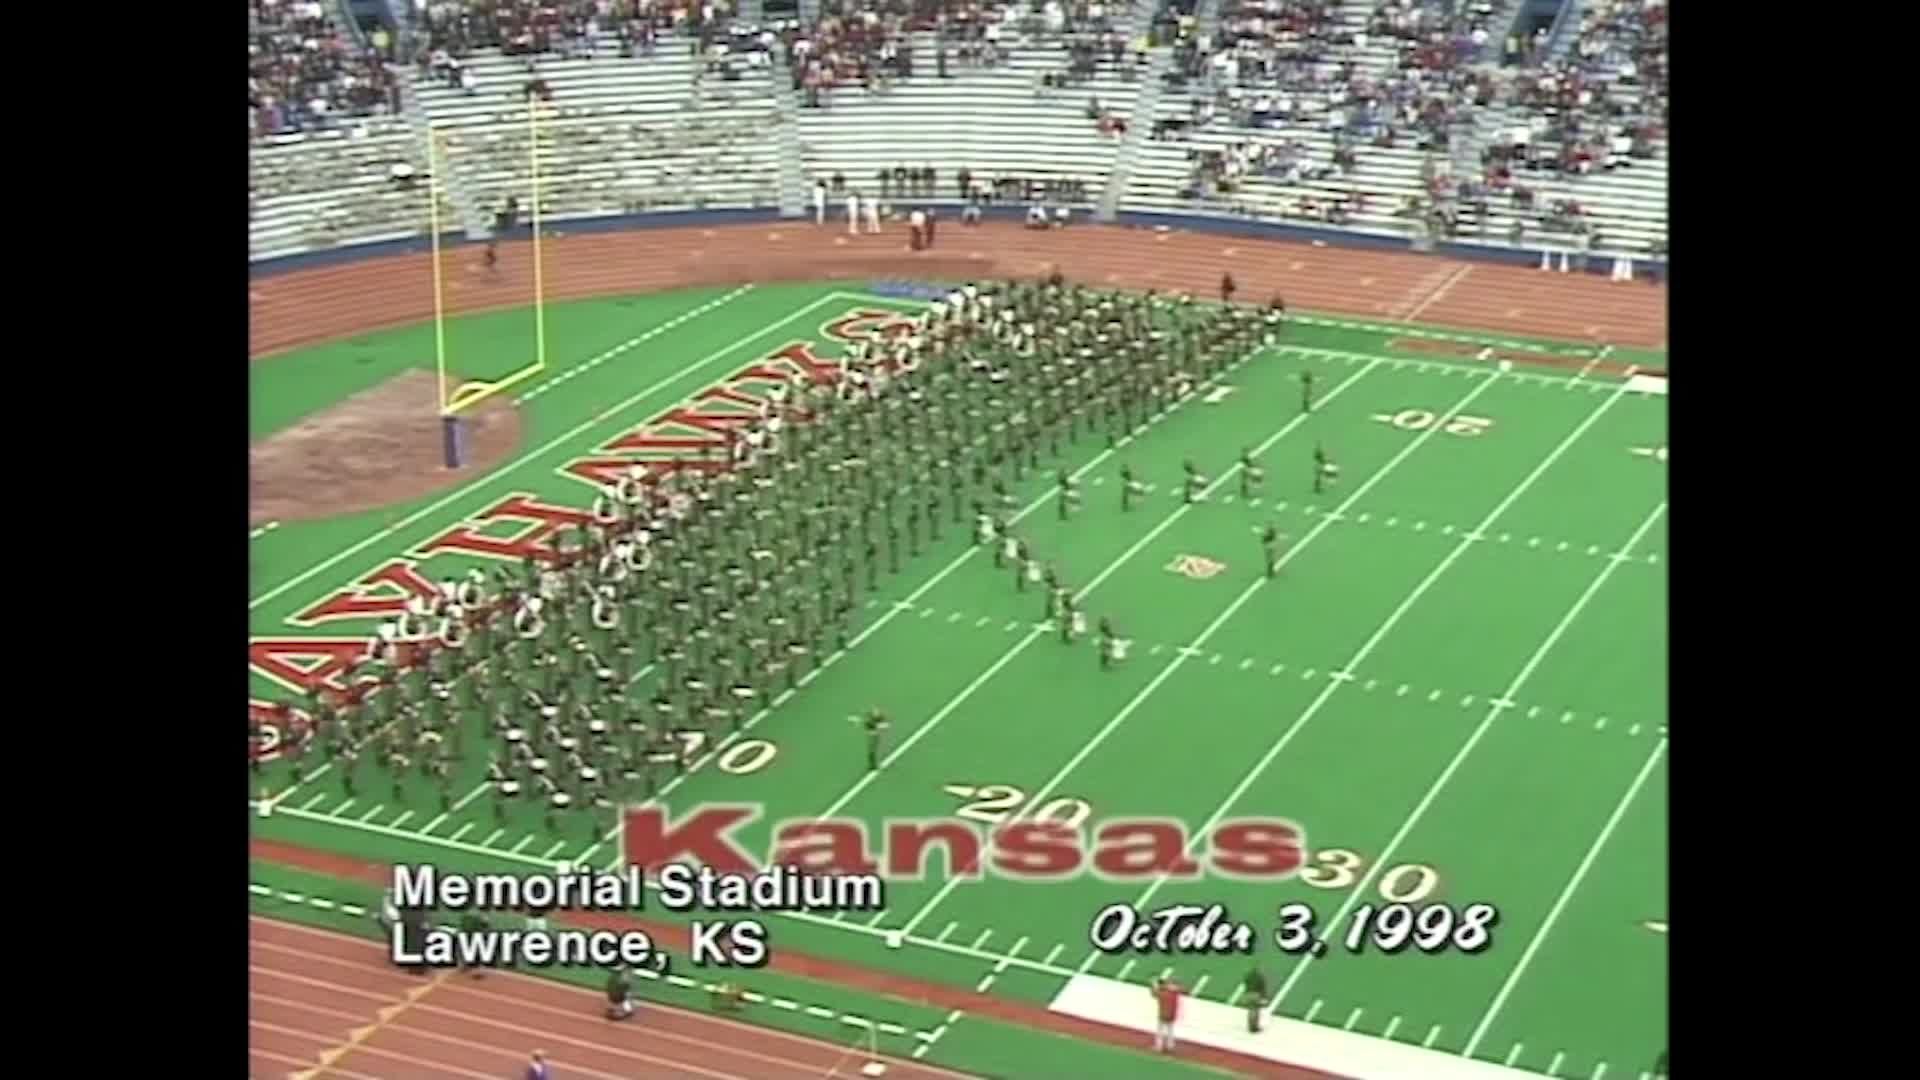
(1166, 995)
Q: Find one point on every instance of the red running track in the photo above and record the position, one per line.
(320, 996)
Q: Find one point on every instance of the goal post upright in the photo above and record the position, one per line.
(435, 157)
(539, 275)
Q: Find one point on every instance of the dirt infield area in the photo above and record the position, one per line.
(379, 447)
(302, 307)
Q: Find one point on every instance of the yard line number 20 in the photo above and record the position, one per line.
(993, 804)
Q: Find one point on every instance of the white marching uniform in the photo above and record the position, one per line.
(527, 621)
(819, 204)
(872, 207)
(606, 610)
(853, 214)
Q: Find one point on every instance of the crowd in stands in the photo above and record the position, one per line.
(868, 44)
(567, 27)
(1573, 120)
(305, 72)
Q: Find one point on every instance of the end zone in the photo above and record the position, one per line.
(1289, 1042)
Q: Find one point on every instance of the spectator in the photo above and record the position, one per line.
(304, 72)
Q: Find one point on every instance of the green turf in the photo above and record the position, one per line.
(1404, 761)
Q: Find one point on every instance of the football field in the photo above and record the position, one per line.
(1454, 680)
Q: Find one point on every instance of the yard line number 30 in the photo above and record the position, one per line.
(1327, 868)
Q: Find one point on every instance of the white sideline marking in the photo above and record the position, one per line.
(1294, 1042)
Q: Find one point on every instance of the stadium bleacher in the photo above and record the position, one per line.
(1389, 117)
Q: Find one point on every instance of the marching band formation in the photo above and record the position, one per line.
(735, 578)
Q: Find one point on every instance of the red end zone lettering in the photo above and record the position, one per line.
(868, 323)
(704, 836)
(281, 659)
(823, 847)
(910, 842)
(1122, 850)
(399, 579)
(1258, 848)
(545, 519)
(1038, 850)
(1145, 847)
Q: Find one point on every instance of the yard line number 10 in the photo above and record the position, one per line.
(1326, 868)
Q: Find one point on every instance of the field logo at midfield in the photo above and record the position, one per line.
(1120, 849)
(524, 525)
(1197, 567)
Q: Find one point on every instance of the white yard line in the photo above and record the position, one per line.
(1435, 296)
(508, 468)
(1379, 634)
(1591, 364)
(1034, 634)
(1503, 703)
(1194, 647)
(1560, 903)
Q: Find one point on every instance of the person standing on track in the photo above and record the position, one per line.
(537, 1068)
(1254, 991)
(819, 202)
(619, 995)
(1166, 997)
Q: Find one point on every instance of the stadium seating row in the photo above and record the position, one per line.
(1387, 117)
